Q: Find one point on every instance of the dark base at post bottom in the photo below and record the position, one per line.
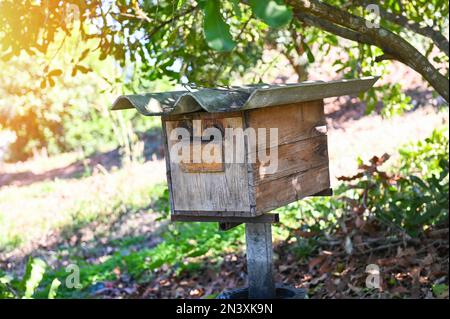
(281, 291)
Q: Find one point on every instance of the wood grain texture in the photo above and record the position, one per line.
(216, 151)
(226, 191)
(202, 116)
(258, 238)
(167, 156)
(250, 173)
(291, 188)
(264, 218)
(295, 122)
(293, 158)
(215, 213)
(200, 145)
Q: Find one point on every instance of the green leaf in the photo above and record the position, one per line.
(309, 53)
(332, 39)
(236, 8)
(217, 32)
(440, 290)
(271, 12)
(54, 288)
(418, 181)
(33, 275)
(180, 3)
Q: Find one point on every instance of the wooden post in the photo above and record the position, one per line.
(259, 260)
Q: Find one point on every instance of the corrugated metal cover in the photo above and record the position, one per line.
(239, 98)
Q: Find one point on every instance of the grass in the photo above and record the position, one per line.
(185, 247)
(29, 213)
(179, 251)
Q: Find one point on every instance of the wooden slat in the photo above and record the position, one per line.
(202, 116)
(295, 122)
(204, 167)
(213, 213)
(265, 218)
(291, 188)
(167, 156)
(293, 158)
(250, 173)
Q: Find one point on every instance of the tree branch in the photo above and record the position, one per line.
(166, 22)
(333, 28)
(340, 31)
(438, 38)
(381, 37)
(384, 57)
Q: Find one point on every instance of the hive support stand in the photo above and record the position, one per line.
(261, 284)
(260, 270)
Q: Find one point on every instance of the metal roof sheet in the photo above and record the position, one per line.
(227, 99)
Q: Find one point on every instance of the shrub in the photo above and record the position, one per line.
(413, 195)
(26, 287)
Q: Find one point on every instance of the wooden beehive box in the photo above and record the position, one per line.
(233, 190)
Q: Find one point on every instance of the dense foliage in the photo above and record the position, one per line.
(65, 116)
(202, 39)
(414, 197)
(65, 112)
(59, 56)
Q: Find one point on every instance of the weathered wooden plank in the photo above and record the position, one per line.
(226, 191)
(250, 173)
(291, 188)
(167, 156)
(196, 151)
(202, 116)
(265, 218)
(258, 238)
(294, 122)
(238, 189)
(213, 213)
(293, 158)
(199, 144)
